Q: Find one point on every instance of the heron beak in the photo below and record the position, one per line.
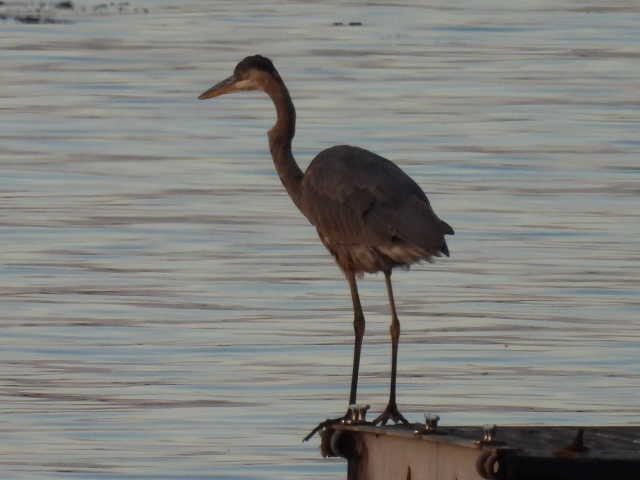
(227, 85)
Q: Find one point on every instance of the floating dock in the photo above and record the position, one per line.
(431, 452)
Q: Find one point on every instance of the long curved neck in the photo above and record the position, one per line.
(280, 137)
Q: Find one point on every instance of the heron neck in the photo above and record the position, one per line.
(280, 137)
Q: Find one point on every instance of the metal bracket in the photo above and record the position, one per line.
(488, 437)
(430, 425)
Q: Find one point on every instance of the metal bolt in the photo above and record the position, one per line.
(431, 422)
(488, 434)
(430, 425)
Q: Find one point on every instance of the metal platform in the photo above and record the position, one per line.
(430, 452)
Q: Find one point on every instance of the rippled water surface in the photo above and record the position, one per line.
(166, 313)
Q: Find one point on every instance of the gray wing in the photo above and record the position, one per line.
(355, 197)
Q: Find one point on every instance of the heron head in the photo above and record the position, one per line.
(252, 73)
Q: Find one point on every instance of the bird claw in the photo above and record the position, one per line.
(321, 426)
(391, 412)
(355, 416)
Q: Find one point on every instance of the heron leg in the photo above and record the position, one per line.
(358, 328)
(391, 412)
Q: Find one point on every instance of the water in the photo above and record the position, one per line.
(167, 314)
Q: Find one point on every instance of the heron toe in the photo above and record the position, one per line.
(356, 415)
(391, 412)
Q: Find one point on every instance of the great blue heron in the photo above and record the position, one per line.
(369, 214)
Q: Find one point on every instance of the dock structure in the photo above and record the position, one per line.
(430, 452)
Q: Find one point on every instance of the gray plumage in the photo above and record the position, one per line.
(368, 213)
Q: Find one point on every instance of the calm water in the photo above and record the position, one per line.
(167, 314)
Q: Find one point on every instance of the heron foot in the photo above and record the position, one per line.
(355, 416)
(321, 426)
(391, 412)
